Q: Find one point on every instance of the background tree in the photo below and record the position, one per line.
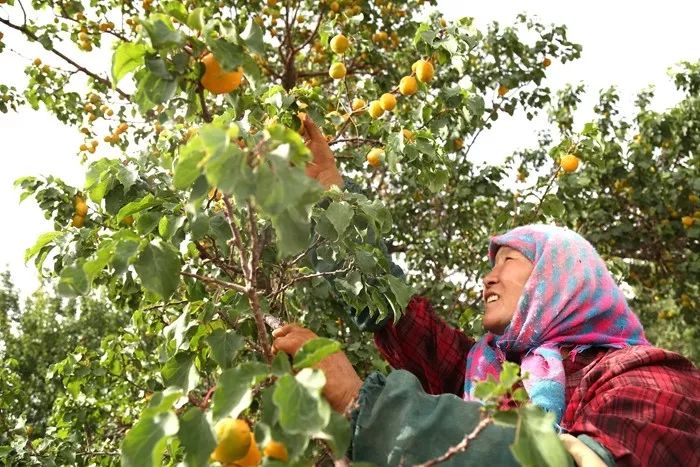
(203, 226)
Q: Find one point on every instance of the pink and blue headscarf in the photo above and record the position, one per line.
(569, 300)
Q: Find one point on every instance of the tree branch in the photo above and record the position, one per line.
(236, 232)
(311, 276)
(206, 116)
(213, 280)
(321, 12)
(24, 30)
(461, 446)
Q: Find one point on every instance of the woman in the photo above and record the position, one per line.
(552, 306)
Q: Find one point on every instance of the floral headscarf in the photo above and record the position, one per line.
(570, 299)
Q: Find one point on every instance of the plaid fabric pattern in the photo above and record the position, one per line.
(427, 347)
(642, 403)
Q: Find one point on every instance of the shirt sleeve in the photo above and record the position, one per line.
(425, 345)
(398, 423)
(643, 405)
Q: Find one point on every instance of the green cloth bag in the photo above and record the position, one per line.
(398, 423)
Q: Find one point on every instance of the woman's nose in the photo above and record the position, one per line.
(490, 278)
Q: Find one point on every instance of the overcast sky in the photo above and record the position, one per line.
(627, 44)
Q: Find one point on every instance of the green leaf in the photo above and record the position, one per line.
(127, 57)
(73, 281)
(293, 232)
(156, 88)
(553, 206)
(520, 395)
(228, 171)
(339, 214)
(195, 20)
(314, 351)
(146, 222)
(188, 166)
(225, 344)
(338, 434)
(144, 443)
(536, 444)
(197, 437)
(301, 407)
(162, 33)
(484, 389)
(177, 10)
(168, 225)
(506, 417)
(144, 203)
(450, 44)
(509, 374)
(102, 258)
(230, 56)
(253, 37)
(401, 291)
(233, 391)
(43, 240)
(180, 371)
(280, 364)
(158, 267)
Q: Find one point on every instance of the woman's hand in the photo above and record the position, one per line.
(342, 382)
(582, 454)
(322, 167)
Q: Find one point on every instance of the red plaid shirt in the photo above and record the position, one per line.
(641, 403)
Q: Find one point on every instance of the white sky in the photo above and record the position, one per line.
(628, 44)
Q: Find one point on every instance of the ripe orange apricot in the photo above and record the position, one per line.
(374, 157)
(387, 101)
(408, 86)
(502, 90)
(78, 221)
(424, 71)
(276, 450)
(357, 104)
(81, 207)
(337, 71)
(339, 44)
(252, 457)
(375, 109)
(234, 440)
(569, 163)
(218, 81)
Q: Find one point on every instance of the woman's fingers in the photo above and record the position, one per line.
(290, 338)
(311, 130)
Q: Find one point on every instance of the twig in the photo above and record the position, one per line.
(24, 12)
(355, 140)
(248, 267)
(158, 305)
(95, 76)
(205, 111)
(461, 446)
(237, 237)
(311, 276)
(321, 12)
(213, 280)
(546, 191)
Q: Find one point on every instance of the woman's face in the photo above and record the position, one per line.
(503, 287)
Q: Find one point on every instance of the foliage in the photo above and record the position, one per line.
(203, 226)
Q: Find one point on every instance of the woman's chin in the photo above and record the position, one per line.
(494, 326)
